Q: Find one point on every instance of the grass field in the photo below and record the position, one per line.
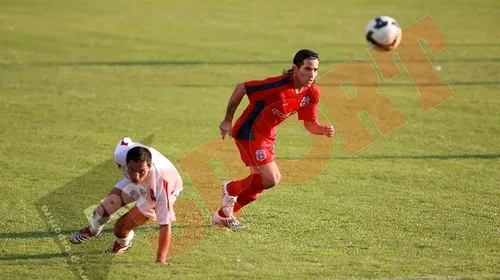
(420, 202)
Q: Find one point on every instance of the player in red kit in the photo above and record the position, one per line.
(271, 101)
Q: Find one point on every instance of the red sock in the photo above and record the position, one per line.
(249, 194)
(236, 187)
(221, 213)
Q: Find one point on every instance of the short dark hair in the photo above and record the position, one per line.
(299, 58)
(139, 154)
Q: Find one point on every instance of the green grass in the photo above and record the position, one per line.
(75, 76)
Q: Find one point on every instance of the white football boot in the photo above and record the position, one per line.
(117, 248)
(231, 222)
(83, 235)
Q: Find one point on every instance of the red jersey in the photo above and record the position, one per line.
(271, 101)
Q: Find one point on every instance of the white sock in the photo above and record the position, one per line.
(126, 241)
(98, 222)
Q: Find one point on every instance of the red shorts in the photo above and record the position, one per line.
(256, 153)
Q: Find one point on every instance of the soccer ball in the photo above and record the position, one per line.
(383, 33)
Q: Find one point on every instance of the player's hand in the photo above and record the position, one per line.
(164, 263)
(225, 128)
(329, 131)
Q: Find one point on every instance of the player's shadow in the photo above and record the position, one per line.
(33, 257)
(31, 234)
(41, 234)
(48, 234)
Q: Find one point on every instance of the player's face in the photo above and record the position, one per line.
(307, 72)
(138, 171)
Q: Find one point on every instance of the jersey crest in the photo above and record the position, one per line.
(260, 154)
(305, 100)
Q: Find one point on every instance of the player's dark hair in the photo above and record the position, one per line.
(138, 154)
(299, 58)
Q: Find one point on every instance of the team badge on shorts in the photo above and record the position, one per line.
(261, 154)
(305, 101)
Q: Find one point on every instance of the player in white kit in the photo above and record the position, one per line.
(150, 180)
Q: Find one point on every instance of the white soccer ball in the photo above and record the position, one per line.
(383, 33)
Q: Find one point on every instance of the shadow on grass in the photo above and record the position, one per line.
(31, 234)
(437, 157)
(47, 234)
(390, 84)
(283, 63)
(33, 257)
(242, 62)
(440, 157)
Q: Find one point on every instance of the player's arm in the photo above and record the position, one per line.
(315, 128)
(232, 105)
(164, 216)
(234, 101)
(309, 114)
(164, 243)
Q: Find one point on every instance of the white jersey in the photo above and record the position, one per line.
(156, 195)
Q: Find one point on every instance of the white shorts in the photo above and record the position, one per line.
(144, 201)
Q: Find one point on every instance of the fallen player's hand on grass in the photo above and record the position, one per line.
(163, 262)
